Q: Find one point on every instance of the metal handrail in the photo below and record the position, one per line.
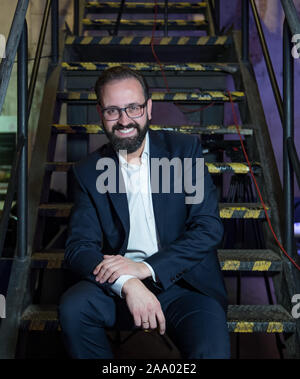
(268, 60)
(285, 104)
(294, 158)
(17, 40)
(10, 193)
(292, 17)
(120, 13)
(38, 55)
(210, 19)
(11, 48)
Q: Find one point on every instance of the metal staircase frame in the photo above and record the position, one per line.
(281, 201)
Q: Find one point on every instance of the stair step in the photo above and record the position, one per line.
(242, 210)
(139, 66)
(190, 97)
(227, 210)
(260, 318)
(47, 260)
(213, 168)
(4, 175)
(249, 260)
(241, 319)
(111, 6)
(188, 129)
(146, 41)
(230, 260)
(144, 24)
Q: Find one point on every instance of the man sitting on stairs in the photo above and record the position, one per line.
(147, 258)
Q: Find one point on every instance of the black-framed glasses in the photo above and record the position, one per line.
(132, 111)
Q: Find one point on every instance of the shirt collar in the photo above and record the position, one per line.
(144, 156)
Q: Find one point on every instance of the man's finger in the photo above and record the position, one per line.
(107, 259)
(97, 269)
(104, 265)
(161, 322)
(137, 320)
(104, 275)
(152, 321)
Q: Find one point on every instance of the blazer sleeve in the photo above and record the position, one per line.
(84, 243)
(202, 235)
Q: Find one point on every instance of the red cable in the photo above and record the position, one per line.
(153, 51)
(238, 130)
(256, 185)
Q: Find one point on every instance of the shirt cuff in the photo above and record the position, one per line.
(117, 286)
(152, 271)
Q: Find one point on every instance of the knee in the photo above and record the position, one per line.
(74, 308)
(68, 311)
(78, 305)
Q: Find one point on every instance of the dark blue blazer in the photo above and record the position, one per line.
(189, 234)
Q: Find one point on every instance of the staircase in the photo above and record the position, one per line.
(200, 67)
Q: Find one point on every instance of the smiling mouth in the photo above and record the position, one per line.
(126, 132)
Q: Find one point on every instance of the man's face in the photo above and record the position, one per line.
(125, 133)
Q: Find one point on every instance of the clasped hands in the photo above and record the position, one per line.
(142, 303)
(113, 266)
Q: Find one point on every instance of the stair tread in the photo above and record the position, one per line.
(142, 41)
(227, 210)
(246, 312)
(248, 254)
(199, 96)
(213, 167)
(230, 260)
(222, 205)
(161, 5)
(142, 22)
(189, 129)
(146, 66)
(224, 254)
(241, 318)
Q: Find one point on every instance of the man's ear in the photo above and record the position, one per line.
(149, 108)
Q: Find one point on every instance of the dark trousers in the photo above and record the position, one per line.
(195, 322)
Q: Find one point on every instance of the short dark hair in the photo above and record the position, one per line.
(119, 73)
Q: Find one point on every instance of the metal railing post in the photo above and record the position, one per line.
(288, 132)
(22, 87)
(217, 7)
(55, 32)
(245, 30)
(268, 60)
(38, 54)
(76, 18)
(119, 17)
(11, 48)
(166, 16)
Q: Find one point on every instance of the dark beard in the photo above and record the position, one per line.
(130, 144)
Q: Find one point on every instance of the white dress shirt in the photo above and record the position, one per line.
(142, 231)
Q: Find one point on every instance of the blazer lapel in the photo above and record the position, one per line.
(158, 150)
(119, 198)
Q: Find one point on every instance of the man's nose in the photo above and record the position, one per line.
(124, 119)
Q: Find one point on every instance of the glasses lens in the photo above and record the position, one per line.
(134, 110)
(111, 114)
